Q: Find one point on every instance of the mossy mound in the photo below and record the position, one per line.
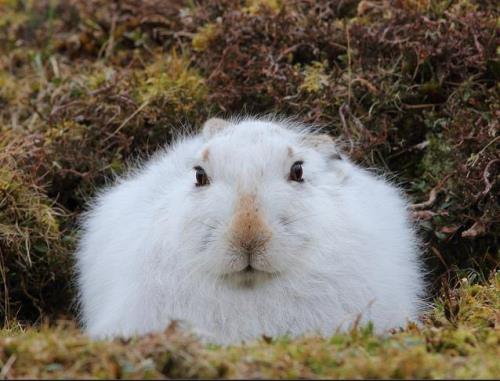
(86, 86)
(35, 259)
(460, 339)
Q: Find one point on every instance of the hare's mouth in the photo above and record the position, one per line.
(249, 277)
(249, 272)
(249, 269)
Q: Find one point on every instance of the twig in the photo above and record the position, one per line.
(422, 215)
(486, 174)
(424, 105)
(440, 257)
(345, 127)
(6, 368)
(139, 109)
(367, 84)
(475, 230)
(483, 149)
(349, 68)
(432, 195)
(419, 146)
(6, 290)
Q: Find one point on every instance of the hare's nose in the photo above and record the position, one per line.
(249, 230)
(252, 245)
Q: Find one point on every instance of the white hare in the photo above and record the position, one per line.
(252, 227)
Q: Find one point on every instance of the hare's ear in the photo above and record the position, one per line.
(213, 126)
(324, 144)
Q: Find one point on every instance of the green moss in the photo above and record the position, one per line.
(10, 17)
(100, 77)
(466, 348)
(170, 79)
(28, 208)
(255, 6)
(7, 86)
(31, 242)
(438, 159)
(204, 36)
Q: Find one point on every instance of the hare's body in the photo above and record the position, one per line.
(253, 249)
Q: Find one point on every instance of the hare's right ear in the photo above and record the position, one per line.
(214, 126)
(324, 144)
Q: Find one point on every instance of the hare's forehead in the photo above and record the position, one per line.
(261, 149)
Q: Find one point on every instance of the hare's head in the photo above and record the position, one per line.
(257, 198)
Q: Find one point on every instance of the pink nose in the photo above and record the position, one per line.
(249, 231)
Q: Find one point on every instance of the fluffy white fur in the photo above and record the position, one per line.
(155, 247)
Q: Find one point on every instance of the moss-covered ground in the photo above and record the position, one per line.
(410, 86)
(459, 339)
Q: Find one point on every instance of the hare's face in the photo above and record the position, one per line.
(255, 193)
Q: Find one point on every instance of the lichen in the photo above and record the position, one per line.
(315, 77)
(255, 6)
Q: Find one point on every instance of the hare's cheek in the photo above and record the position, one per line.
(206, 241)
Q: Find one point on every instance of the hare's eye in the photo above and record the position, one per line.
(296, 172)
(201, 177)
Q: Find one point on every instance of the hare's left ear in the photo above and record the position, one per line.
(213, 126)
(324, 144)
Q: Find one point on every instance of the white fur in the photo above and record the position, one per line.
(155, 247)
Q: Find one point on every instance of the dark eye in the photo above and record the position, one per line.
(201, 177)
(296, 171)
